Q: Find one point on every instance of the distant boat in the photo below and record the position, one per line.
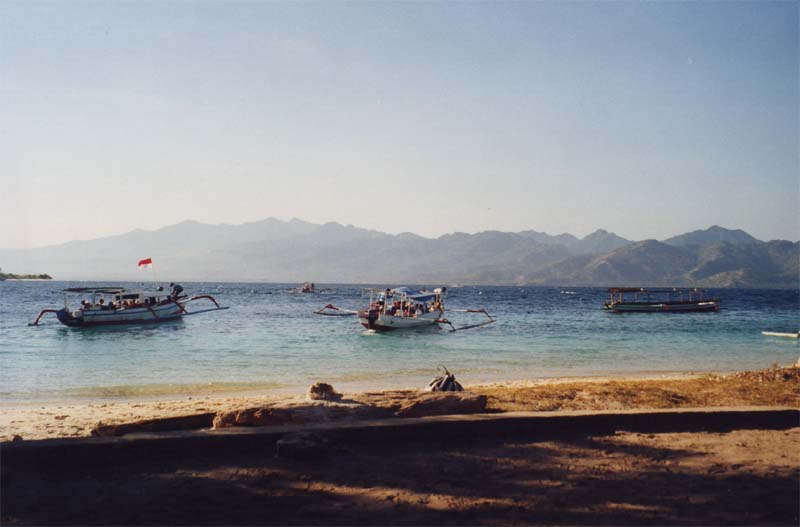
(778, 334)
(310, 287)
(659, 300)
(305, 287)
(106, 306)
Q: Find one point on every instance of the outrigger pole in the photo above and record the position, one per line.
(40, 315)
(470, 326)
(342, 311)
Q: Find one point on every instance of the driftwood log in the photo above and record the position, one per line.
(314, 412)
(380, 405)
(164, 424)
(443, 403)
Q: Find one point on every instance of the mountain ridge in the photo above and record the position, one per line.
(295, 251)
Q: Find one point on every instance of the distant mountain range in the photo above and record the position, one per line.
(296, 251)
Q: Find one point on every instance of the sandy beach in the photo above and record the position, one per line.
(679, 450)
(767, 388)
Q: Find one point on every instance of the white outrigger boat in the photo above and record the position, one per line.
(403, 308)
(106, 306)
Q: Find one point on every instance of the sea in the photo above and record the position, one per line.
(270, 341)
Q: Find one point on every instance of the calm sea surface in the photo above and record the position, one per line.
(270, 340)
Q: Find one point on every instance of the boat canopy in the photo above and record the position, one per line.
(108, 290)
(655, 290)
(411, 294)
(125, 293)
(417, 296)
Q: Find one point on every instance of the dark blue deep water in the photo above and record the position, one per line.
(270, 340)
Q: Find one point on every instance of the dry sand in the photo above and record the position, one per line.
(773, 387)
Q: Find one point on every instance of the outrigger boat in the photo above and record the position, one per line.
(309, 287)
(672, 300)
(306, 287)
(106, 306)
(403, 308)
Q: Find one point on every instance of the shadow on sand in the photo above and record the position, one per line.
(619, 474)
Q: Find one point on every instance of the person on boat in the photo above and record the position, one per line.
(176, 290)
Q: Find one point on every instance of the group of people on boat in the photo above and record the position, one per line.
(402, 308)
(176, 292)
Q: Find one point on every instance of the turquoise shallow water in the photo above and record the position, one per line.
(270, 340)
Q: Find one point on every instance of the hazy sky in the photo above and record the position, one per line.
(644, 118)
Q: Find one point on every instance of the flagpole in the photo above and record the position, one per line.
(149, 262)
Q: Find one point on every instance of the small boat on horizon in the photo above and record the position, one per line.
(309, 287)
(106, 306)
(305, 287)
(659, 300)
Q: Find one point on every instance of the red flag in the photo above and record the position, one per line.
(147, 262)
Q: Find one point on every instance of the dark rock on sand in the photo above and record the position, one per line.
(322, 391)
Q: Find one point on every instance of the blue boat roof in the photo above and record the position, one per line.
(106, 289)
(419, 296)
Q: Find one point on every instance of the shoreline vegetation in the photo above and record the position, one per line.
(12, 276)
(773, 387)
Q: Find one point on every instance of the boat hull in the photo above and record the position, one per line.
(662, 307)
(136, 315)
(779, 334)
(384, 323)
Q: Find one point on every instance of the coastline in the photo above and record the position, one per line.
(70, 419)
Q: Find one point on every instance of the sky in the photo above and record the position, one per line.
(648, 119)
